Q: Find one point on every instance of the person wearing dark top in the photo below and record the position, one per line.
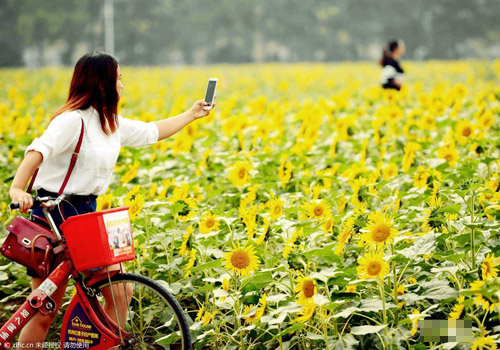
(392, 76)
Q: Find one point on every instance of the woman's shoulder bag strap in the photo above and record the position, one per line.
(74, 157)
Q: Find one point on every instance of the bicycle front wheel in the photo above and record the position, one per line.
(151, 317)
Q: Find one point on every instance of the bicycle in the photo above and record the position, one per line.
(151, 317)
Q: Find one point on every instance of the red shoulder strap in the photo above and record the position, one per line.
(74, 157)
(32, 181)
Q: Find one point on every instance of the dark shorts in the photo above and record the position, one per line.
(77, 205)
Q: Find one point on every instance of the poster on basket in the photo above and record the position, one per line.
(119, 232)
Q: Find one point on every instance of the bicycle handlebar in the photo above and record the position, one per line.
(41, 202)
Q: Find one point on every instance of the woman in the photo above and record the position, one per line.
(392, 74)
(93, 99)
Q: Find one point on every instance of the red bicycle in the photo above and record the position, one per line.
(142, 314)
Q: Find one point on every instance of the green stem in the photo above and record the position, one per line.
(396, 318)
(384, 314)
(473, 246)
(279, 338)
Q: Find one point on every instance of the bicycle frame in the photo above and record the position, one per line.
(84, 322)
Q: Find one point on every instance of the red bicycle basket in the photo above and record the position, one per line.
(99, 239)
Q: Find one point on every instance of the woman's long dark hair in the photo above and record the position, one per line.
(387, 51)
(94, 84)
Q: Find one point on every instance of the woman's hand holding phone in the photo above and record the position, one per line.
(199, 110)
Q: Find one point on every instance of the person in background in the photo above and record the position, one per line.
(392, 76)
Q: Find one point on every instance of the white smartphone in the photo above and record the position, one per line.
(210, 95)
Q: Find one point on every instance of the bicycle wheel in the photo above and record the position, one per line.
(153, 319)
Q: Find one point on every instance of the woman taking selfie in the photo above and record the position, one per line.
(90, 118)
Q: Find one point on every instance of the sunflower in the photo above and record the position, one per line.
(345, 234)
(449, 153)
(317, 209)
(457, 309)
(478, 298)
(361, 190)
(249, 218)
(414, 318)
(252, 313)
(372, 265)
(328, 225)
(241, 260)
(131, 173)
(489, 267)
(390, 171)
(276, 208)
(135, 206)
(379, 230)
(486, 120)
(132, 193)
(153, 190)
(199, 315)
(264, 234)
(350, 289)
(208, 316)
(104, 202)
(307, 312)
(181, 197)
(409, 156)
(225, 284)
(306, 289)
(420, 177)
(191, 262)
(185, 241)
(208, 223)
(239, 174)
(434, 218)
(427, 177)
(285, 172)
(484, 343)
(292, 242)
(464, 129)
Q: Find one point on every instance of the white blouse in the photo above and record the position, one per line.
(98, 152)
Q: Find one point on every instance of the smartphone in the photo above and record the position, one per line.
(210, 95)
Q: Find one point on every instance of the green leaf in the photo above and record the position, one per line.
(361, 330)
(451, 209)
(438, 289)
(256, 282)
(423, 245)
(214, 264)
(295, 327)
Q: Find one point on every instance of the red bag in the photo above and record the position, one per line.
(30, 245)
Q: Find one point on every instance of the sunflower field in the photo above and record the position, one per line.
(311, 209)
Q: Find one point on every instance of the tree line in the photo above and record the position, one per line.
(156, 32)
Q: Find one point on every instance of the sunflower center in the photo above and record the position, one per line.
(381, 233)
(466, 131)
(134, 208)
(240, 259)
(487, 268)
(448, 157)
(277, 209)
(318, 211)
(374, 268)
(210, 222)
(105, 206)
(241, 173)
(308, 288)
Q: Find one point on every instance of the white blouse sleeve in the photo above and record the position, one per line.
(137, 133)
(61, 134)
